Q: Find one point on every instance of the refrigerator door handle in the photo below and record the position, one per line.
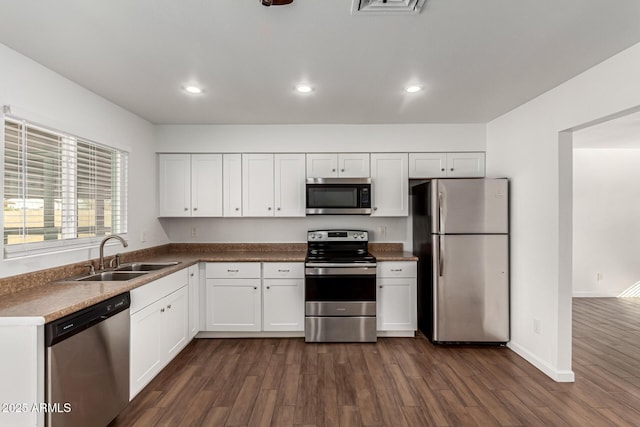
(440, 216)
(441, 257)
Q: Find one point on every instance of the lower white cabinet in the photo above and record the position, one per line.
(233, 305)
(396, 296)
(254, 297)
(283, 297)
(159, 327)
(233, 293)
(194, 300)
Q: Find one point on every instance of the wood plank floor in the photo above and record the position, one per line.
(400, 381)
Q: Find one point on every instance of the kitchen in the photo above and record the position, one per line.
(535, 165)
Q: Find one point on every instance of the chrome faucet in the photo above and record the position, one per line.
(114, 236)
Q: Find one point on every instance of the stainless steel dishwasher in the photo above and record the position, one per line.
(87, 365)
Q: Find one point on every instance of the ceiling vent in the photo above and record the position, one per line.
(383, 7)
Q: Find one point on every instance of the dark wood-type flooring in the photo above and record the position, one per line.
(400, 381)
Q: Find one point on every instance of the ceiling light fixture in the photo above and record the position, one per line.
(275, 2)
(413, 89)
(304, 89)
(193, 89)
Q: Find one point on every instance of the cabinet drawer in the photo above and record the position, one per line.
(153, 291)
(397, 269)
(237, 270)
(278, 270)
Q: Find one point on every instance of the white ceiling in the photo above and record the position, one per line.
(475, 59)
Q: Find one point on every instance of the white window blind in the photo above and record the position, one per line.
(59, 189)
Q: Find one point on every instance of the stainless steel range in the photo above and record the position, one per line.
(340, 287)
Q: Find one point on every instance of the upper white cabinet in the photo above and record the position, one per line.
(257, 185)
(332, 165)
(273, 185)
(232, 184)
(451, 165)
(390, 184)
(190, 185)
(289, 180)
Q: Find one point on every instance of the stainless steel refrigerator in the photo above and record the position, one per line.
(461, 237)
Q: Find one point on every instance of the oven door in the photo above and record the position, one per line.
(330, 283)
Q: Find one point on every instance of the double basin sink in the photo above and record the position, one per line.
(125, 272)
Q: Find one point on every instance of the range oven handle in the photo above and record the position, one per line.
(327, 270)
(340, 264)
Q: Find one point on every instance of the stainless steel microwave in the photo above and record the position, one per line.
(338, 196)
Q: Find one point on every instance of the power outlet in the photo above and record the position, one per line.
(382, 231)
(599, 276)
(536, 326)
(143, 236)
(194, 231)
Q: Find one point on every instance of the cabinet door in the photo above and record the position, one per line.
(257, 185)
(233, 305)
(390, 184)
(427, 165)
(145, 342)
(232, 184)
(353, 165)
(290, 197)
(194, 300)
(206, 185)
(283, 308)
(396, 302)
(322, 165)
(467, 165)
(174, 185)
(174, 322)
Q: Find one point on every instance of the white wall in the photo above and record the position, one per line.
(306, 138)
(525, 145)
(320, 138)
(36, 93)
(606, 229)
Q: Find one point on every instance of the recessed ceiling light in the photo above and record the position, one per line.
(193, 89)
(413, 89)
(304, 88)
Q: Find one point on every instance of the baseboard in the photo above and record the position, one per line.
(593, 294)
(554, 374)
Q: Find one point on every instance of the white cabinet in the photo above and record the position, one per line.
(257, 185)
(159, 327)
(273, 185)
(332, 165)
(289, 183)
(452, 165)
(396, 296)
(190, 185)
(232, 184)
(194, 300)
(390, 184)
(233, 297)
(283, 297)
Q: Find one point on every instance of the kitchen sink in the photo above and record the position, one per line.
(145, 266)
(111, 276)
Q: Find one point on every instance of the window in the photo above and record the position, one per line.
(59, 190)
